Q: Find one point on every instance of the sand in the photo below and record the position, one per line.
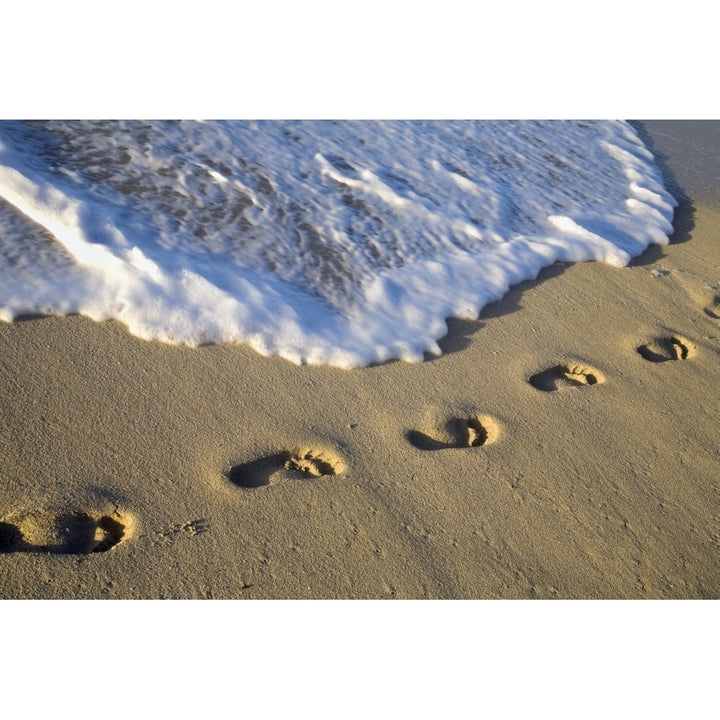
(565, 445)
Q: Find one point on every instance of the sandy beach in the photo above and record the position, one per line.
(565, 445)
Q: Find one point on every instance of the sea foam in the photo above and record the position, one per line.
(342, 243)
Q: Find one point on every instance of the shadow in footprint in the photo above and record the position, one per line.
(268, 470)
(460, 433)
(257, 473)
(667, 348)
(424, 442)
(713, 310)
(75, 533)
(563, 376)
(10, 538)
(113, 530)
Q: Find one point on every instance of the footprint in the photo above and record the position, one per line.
(72, 533)
(713, 310)
(192, 527)
(309, 464)
(674, 347)
(301, 464)
(563, 376)
(457, 432)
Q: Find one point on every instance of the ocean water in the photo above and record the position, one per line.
(333, 242)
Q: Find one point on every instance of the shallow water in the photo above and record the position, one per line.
(322, 241)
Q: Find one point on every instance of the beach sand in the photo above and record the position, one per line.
(565, 445)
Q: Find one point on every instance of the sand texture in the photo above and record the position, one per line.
(565, 445)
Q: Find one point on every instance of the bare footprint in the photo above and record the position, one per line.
(191, 527)
(457, 432)
(309, 464)
(563, 376)
(713, 310)
(63, 533)
(674, 347)
(300, 464)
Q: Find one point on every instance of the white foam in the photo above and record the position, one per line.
(342, 243)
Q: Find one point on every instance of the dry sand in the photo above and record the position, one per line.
(566, 445)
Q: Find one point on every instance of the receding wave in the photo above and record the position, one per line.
(321, 241)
